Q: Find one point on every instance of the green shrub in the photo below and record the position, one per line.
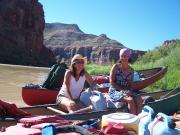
(163, 56)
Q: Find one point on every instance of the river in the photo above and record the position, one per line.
(13, 77)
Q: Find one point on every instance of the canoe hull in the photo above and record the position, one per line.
(32, 96)
(151, 76)
(167, 105)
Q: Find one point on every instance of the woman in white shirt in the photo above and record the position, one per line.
(74, 80)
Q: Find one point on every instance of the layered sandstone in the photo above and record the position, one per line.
(65, 40)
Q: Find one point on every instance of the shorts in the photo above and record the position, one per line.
(115, 95)
(60, 98)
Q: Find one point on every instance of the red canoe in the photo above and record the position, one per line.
(39, 96)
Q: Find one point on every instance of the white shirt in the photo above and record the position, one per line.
(75, 88)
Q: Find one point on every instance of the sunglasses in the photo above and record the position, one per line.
(79, 62)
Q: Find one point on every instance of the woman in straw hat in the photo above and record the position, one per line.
(121, 76)
(74, 80)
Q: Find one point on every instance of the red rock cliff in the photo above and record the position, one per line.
(21, 33)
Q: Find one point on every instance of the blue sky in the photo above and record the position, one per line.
(137, 24)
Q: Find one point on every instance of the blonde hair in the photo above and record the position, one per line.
(73, 60)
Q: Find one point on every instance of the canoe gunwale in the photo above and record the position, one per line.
(141, 84)
(161, 70)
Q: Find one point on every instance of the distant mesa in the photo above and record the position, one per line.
(62, 27)
(65, 40)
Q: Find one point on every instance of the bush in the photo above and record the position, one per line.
(163, 56)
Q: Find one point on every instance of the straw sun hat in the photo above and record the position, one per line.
(78, 57)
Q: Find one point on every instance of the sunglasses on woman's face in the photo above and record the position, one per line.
(79, 62)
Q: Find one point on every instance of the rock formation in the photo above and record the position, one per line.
(65, 40)
(168, 43)
(21, 38)
(21, 33)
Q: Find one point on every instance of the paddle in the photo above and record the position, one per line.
(82, 110)
(56, 110)
(74, 112)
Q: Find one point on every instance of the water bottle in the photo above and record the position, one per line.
(136, 76)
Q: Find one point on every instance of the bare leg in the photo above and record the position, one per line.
(131, 104)
(139, 104)
(67, 104)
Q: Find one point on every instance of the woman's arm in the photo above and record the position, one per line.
(112, 77)
(90, 80)
(132, 77)
(67, 78)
